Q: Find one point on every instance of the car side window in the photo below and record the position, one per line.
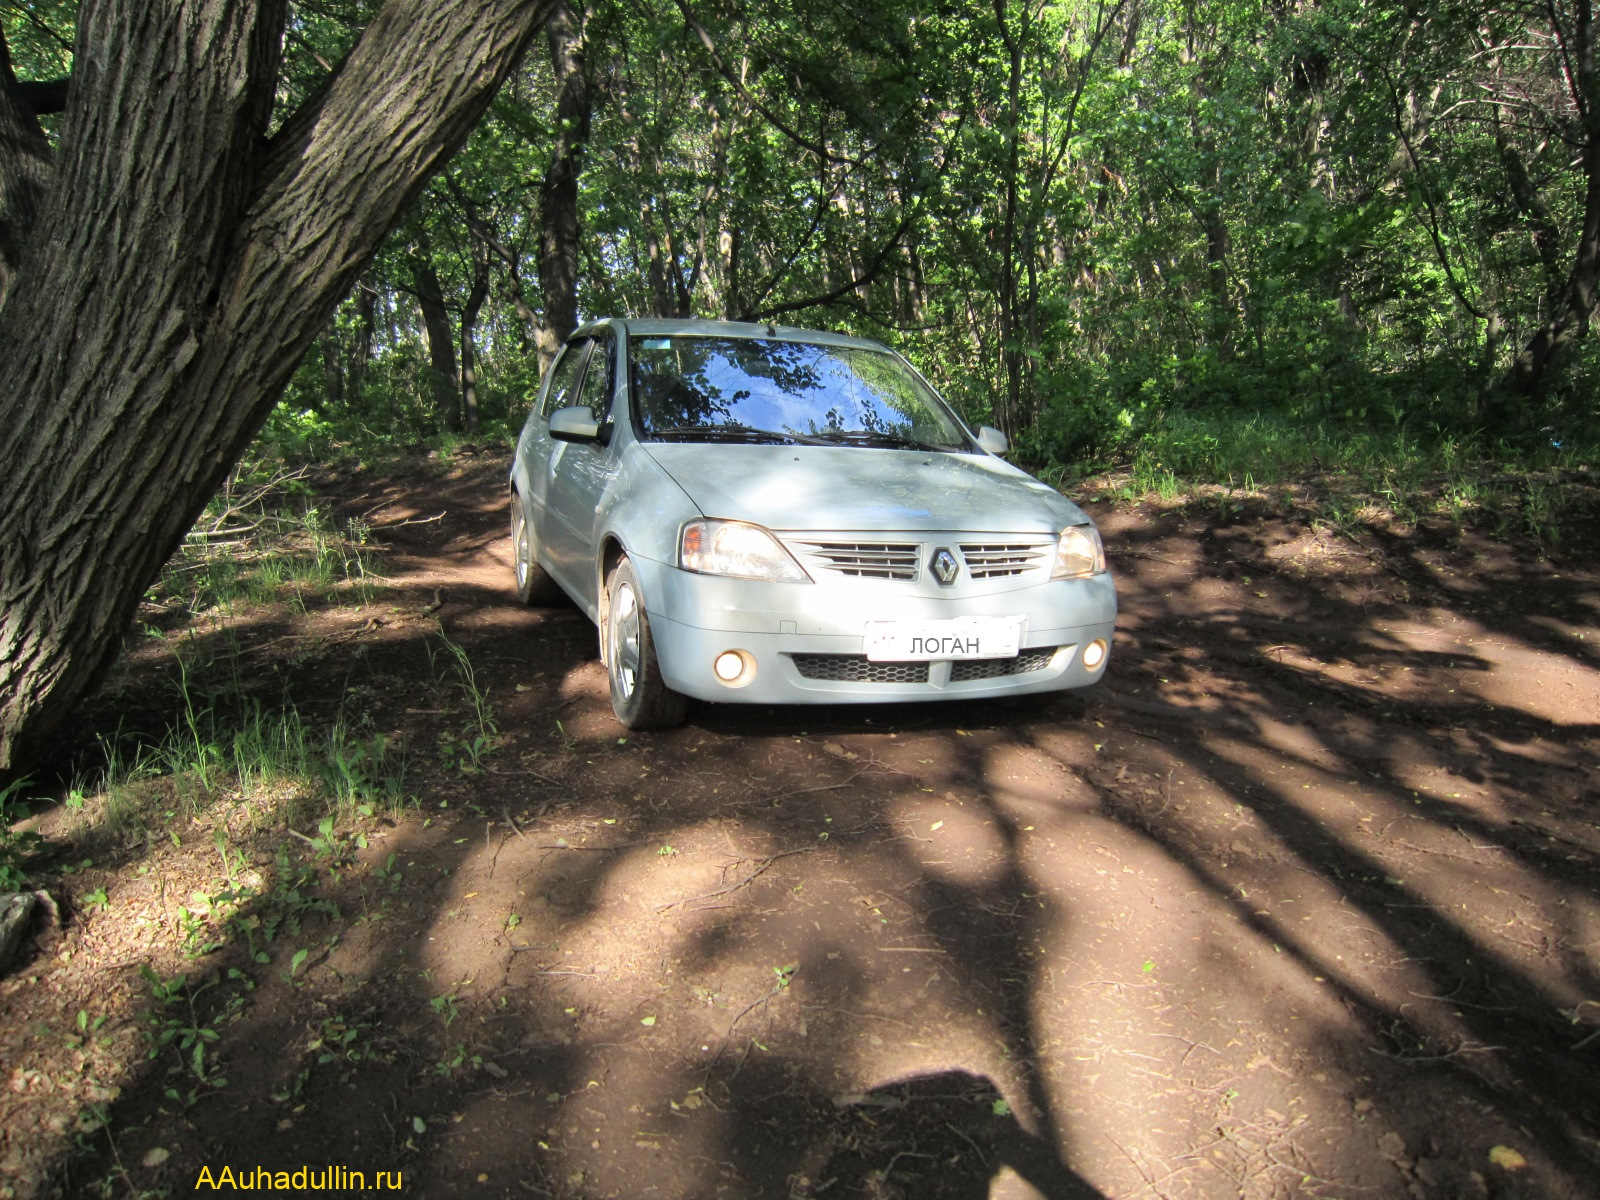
(563, 377)
(598, 381)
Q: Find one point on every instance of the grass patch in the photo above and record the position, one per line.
(265, 538)
(271, 763)
(1536, 491)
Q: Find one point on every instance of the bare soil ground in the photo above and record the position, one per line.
(1302, 901)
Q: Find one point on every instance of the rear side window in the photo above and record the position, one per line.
(564, 377)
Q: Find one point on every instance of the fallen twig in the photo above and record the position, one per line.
(410, 521)
(743, 883)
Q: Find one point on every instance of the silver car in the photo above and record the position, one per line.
(764, 515)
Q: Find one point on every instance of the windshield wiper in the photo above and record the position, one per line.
(720, 433)
(868, 437)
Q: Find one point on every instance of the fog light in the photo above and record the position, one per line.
(1094, 654)
(735, 668)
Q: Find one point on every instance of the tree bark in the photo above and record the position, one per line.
(734, 304)
(662, 304)
(179, 268)
(478, 293)
(1009, 413)
(558, 207)
(361, 352)
(24, 169)
(441, 342)
(332, 367)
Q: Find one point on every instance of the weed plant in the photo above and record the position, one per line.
(453, 670)
(17, 846)
(271, 760)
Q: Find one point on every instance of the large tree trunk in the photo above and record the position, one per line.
(178, 269)
(558, 205)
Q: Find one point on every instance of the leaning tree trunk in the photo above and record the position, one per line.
(178, 268)
(558, 204)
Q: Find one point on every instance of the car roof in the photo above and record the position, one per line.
(728, 329)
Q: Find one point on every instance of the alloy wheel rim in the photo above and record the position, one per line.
(625, 641)
(520, 539)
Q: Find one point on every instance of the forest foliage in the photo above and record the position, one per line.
(1091, 222)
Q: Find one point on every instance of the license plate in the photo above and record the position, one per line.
(926, 641)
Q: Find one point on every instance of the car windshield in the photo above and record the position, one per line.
(768, 390)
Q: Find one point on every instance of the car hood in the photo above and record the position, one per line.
(863, 488)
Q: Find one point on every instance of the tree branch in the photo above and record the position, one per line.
(873, 269)
(1433, 212)
(879, 260)
(820, 149)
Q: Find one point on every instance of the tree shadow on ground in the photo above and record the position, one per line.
(1266, 915)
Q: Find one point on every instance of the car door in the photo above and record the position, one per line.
(578, 476)
(536, 447)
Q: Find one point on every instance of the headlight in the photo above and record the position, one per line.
(737, 549)
(1079, 553)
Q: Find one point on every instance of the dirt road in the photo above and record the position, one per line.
(1303, 901)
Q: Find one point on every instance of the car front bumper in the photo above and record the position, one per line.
(806, 641)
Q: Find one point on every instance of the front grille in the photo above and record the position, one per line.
(993, 668)
(857, 668)
(872, 560)
(991, 560)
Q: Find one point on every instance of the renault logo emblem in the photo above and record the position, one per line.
(945, 567)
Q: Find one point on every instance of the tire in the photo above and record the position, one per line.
(639, 697)
(534, 585)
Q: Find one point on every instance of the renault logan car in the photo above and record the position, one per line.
(760, 514)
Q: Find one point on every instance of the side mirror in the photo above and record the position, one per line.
(990, 438)
(576, 424)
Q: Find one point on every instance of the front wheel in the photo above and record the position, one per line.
(639, 696)
(534, 585)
